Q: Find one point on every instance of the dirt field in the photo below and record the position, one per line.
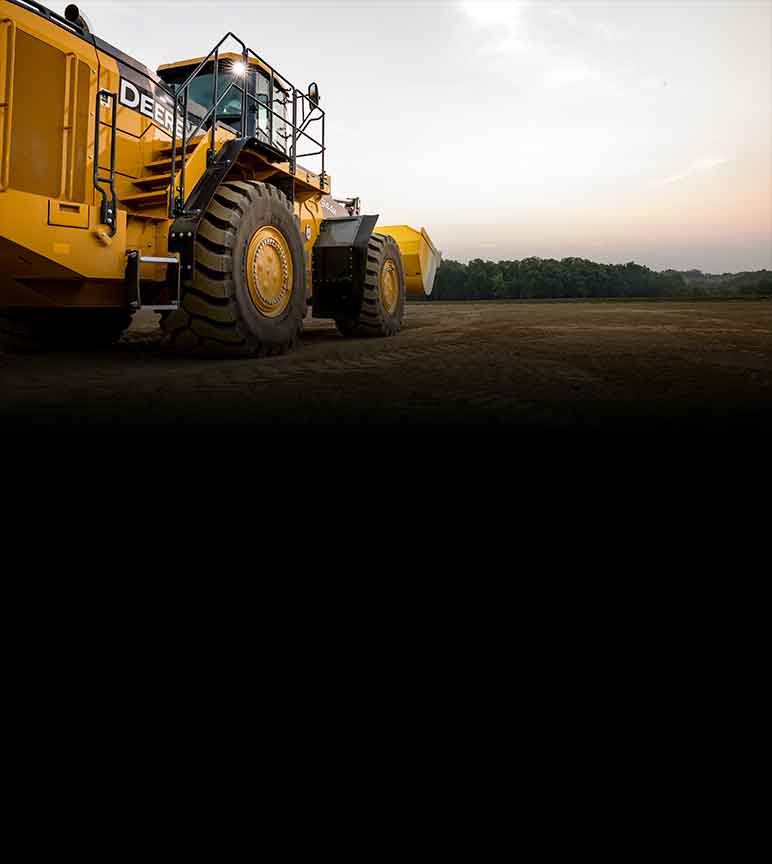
(559, 365)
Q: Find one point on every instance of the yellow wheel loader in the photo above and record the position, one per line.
(180, 192)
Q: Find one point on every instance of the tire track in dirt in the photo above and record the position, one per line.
(553, 365)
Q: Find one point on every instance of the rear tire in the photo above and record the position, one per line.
(248, 295)
(383, 294)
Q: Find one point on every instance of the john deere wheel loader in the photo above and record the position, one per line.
(180, 192)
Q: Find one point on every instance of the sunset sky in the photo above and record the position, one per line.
(612, 131)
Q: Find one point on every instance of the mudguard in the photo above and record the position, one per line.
(339, 262)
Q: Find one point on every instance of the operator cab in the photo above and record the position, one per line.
(267, 96)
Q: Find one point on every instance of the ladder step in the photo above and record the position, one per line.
(148, 217)
(163, 163)
(156, 180)
(149, 259)
(192, 144)
(168, 307)
(146, 199)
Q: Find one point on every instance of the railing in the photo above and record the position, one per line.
(304, 112)
(109, 206)
(6, 100)
(69, 126)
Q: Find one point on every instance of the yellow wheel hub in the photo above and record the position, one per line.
(389, 286)
(269, 271)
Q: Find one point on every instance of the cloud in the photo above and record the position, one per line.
(505, 22)
(572, 73)
(549, 37)
(485, 12)
(609, 31)
(701, 166)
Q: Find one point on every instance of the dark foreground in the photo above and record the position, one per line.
(540, 366)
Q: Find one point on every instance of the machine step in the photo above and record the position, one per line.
(163, 164)
(148, 217)
(192, 144)
(146, 199)
(154, 181)
(134, 280)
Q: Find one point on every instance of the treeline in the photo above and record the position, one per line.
(547, 278)
(728, 284)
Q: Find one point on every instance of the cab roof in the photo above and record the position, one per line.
(229, 56)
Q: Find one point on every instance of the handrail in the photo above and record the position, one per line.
(6, 103)
(73, 135)
(68, 122)
(310, 119)
(270, 68)
(215, 82)
(109, 210)
(213, 108)
(249, 101)
(203, 63)
(256, 99)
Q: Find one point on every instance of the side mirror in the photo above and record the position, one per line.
(313, 93)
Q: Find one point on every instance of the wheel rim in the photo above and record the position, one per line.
(269, 271)
(389, 286)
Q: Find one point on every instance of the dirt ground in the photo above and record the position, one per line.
(555, 365)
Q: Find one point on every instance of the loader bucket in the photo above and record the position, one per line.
(419, 257)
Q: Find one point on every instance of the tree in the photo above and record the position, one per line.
(578, 277)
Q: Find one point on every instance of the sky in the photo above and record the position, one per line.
(624, 131)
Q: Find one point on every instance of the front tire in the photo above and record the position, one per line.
(383, 293)
(248, 294)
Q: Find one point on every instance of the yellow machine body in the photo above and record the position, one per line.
(55, 250)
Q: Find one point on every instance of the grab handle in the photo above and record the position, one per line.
(6, 100)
